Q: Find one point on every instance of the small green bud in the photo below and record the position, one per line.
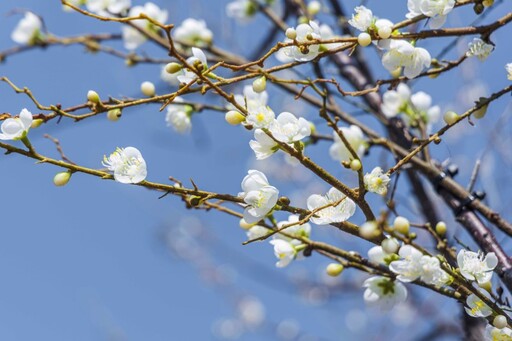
(401, 225)
(291, 33)
(173, 67)
(92, 96)
(500, 321)
(441, 228)
(450, 117)
(260, 84)
(334, 269)
(62, 178)
(36, 123)
(114, 114)
(355, 165)
(480, 113)
(234, 118)
(314, 8)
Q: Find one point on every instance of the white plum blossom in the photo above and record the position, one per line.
(107, 8)
(354, 136)
(362, 19)
(476, 307)
(241, 10)
(288, 129)
(305, 33)
(376, 181)
(257, 231)
(28, 30)
(436, 10)
(332, 213)
(479, 48)
(409, 268)
(133, 38)
(284, 251)
(377, 254)
(198, 59)
(476, 266)
(16, 128)
(396, 101)
(178, 116)
(250, 99)
(416, 265)
(508, 67)
(193, 32)
(260, 117)
(327, 33)
(302, 230)
(494, 334)
(383, 292)
(413, 106)
(127, 165)
(403, 54)
(258, 195)
(263, 145)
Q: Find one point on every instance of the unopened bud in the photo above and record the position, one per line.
(173, 67)
(234, 118)
(93, 96)
(364, 39)
(314, 7)
(384, 32)
(62, 178)
(441, 228)
(355, 165)
(500, 321)
(291, 33)
(36, 123)
(260, 84)
(390, 245)
(334, 269)
(148, 89)
(488, 3)
(401, 225)
(114, 114)
(480, 113)
(450, 117)
(369, 230)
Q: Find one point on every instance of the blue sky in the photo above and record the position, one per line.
(90, 261)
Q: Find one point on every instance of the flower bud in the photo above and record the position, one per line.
(488, 3)
(401, 225)
(384, 32)
(364, 39)
(173, 67)
(450, 117)
(390, 245)
(234, 118)
(114, 114)
(355, 165)
(314, 7)
(62, 178)
(260, 84)
(480, 113)
(93, 96)
(148, 89)
(441, 228)
(291, 33)
(334, 269)
(36, 123)
(369, 230)
(500, 322)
